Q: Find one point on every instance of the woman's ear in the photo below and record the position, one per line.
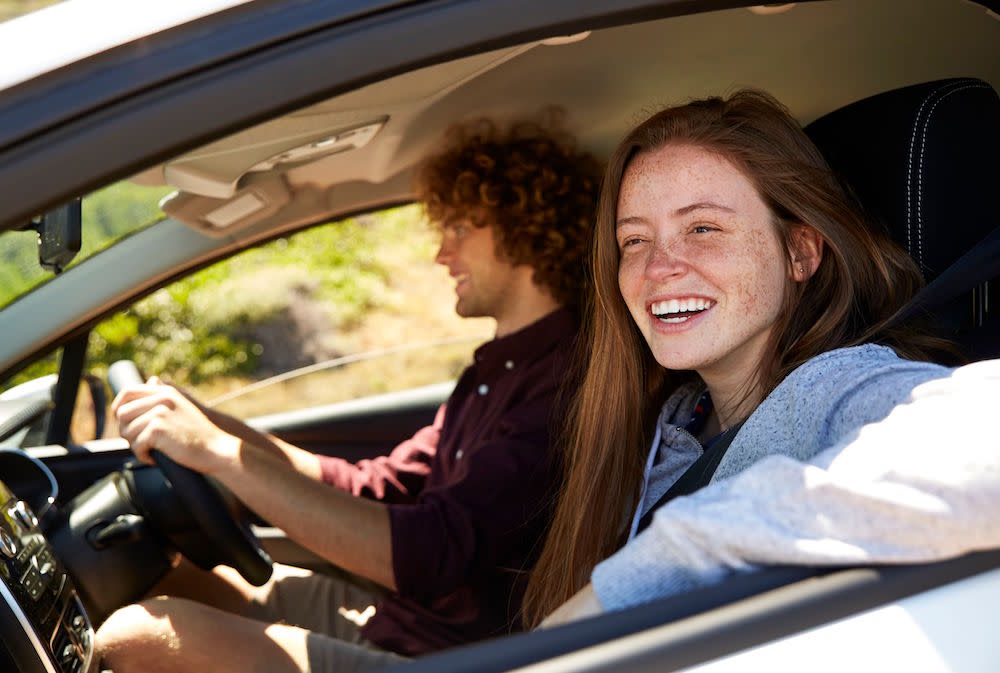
(806, 251)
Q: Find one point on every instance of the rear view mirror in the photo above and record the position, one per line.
(59, 236)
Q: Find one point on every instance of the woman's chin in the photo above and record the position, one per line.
(678, 361)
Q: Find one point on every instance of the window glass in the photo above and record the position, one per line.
(107, 215)
(11, 8)
(340, 311)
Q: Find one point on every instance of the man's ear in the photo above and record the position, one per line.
(806, 251)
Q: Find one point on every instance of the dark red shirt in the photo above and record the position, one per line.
(469, 496)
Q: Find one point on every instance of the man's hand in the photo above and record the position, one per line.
(158, 416)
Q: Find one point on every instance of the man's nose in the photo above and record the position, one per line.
(444, 253)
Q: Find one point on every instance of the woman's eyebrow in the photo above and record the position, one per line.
(702, 205)
(633, 219)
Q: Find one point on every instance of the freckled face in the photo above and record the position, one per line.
(701, 267)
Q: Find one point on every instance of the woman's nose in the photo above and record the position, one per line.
(664, 261)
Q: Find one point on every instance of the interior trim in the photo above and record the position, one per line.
(716, 621)
(114, 142)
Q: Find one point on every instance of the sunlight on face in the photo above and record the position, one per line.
(702, 269)
(482, 280)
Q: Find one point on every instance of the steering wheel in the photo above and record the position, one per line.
(229, 541)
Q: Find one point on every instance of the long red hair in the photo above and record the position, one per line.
(862, 280)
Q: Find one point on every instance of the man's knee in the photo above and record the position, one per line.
(177, 635)
(136, 634)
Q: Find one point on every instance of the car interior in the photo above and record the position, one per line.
(915, 137)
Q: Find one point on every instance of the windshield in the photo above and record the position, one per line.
(108, 215)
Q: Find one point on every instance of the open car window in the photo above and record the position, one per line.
(344, 310)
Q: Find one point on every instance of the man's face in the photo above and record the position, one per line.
(483, 282)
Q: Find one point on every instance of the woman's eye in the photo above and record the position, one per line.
(630, 242)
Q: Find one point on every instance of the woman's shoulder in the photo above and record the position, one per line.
(855, 357)
(855, 366)
(863, 381)
(826, 398)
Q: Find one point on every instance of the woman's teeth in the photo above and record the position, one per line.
(679, 310)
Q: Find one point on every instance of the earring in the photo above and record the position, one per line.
(802, 269)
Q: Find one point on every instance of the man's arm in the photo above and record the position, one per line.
(350, 532)
(397, 477)
(304, 461)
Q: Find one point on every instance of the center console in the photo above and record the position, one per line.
(44, 626)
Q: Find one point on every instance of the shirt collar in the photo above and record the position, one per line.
(527, 344)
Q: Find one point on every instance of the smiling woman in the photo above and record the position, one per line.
(739, 292)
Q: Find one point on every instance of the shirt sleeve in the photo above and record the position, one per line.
(395, 478)
(921, 485)
(489, 516)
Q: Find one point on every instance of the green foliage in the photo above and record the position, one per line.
(115, 211)
(13, 8)
(41, 367)
(202, 326)
(108, 215)
(155, 333)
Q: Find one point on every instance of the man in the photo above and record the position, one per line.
(450, 522)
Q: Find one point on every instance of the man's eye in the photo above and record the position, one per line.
(702, 228)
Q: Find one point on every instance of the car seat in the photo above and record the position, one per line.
(924, 161)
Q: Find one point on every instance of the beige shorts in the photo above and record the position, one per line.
(333, 610)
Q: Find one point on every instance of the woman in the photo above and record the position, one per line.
(737, 287)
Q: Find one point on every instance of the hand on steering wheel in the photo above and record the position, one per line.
(229, 542)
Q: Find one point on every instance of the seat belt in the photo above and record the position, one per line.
(979, 265)
(697, 475)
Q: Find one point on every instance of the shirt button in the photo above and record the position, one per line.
(459, 454)
(483, 389)
(509, 364)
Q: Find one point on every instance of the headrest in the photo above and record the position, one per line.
(924, 161)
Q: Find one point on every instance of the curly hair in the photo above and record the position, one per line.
(531, 185)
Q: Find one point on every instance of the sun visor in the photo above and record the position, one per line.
(255, 201)
(298, 140)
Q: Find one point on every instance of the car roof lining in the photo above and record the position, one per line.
(515, 82)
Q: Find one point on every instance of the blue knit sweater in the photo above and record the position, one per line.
(851, 459)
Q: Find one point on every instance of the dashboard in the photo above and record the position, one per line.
(45, 627)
